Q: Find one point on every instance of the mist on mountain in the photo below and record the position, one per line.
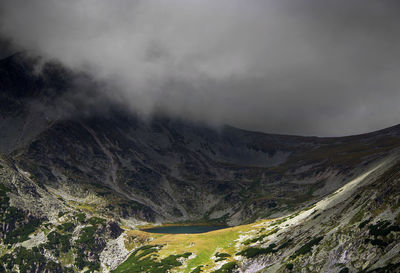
(276, 66)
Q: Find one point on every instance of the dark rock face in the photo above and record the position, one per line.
(171, 170)
(113, 230)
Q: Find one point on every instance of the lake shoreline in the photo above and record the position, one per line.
(183, 229)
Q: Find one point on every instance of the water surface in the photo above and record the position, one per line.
(183, 229)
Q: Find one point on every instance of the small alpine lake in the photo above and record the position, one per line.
(188, 229)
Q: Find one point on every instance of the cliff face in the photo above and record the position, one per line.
(58, 165)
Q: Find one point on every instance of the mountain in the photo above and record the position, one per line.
(80, 174)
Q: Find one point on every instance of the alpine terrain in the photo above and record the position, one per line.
(79, 182)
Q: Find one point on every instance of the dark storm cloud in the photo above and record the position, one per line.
(299, 66)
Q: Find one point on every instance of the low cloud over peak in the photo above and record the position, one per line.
(299, 67)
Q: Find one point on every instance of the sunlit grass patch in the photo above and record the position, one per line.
(203, 246)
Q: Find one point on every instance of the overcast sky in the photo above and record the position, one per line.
(306, 67)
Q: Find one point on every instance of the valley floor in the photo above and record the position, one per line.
(355, 229)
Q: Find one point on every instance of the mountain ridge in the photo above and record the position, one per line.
(76, 186)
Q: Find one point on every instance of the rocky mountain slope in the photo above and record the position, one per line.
(76, 181)
(354, 229)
